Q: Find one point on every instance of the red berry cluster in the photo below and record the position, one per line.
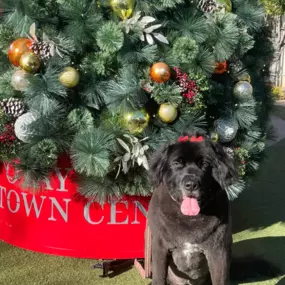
(188, 87)
(7, 137)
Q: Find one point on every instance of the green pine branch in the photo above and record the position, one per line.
(98, 189)
(224, 35)
(190, 23)
(245, 113)
(124, 93)
(90, 152)
(82, 19)
(250, 14)
(110, 37)
(164, 93)
(138, 54)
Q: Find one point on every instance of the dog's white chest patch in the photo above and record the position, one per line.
(190, 248)
(191, 260)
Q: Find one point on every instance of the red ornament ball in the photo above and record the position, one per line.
(221, 67)
(160, 72)
(18, 48)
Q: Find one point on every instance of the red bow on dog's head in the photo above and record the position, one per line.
(191, 139)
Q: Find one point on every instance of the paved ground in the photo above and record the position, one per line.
(280, 103)
(259, 230)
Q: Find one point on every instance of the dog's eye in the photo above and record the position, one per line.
(178, 162)
(202, 164)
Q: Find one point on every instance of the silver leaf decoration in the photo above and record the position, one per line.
(145, 163)
(149, 39)
(161, 38)
(147, 19)
(124, 145)
(152, 28)
(127, 157)
(142, 38)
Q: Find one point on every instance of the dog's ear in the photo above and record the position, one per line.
(157, 166)
(224, 169)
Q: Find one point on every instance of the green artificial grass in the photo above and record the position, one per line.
(259, 230)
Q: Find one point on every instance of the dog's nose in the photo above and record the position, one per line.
(190, 185)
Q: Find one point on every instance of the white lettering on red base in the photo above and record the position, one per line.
(16, 204)
(118, 212)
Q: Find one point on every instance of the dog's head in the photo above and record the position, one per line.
(192, 169)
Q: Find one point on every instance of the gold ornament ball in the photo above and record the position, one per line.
(214, 136)
(123, 8)
(69, 77)
(20, 80)
(136, 121)
(160, 72)
(227, 4)
(244, 77)
(167, 113)
(30, 62)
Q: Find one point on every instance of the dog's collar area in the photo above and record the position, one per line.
(191, 139)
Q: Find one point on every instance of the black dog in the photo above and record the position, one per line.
(189, 213)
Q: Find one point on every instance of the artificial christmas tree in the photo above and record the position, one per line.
(108, 71)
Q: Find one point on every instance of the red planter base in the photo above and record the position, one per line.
(55, 222)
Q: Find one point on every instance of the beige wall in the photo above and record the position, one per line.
(280, 80)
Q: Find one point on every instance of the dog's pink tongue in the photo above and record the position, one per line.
(190, 207)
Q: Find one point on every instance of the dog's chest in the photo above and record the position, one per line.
(191, 260)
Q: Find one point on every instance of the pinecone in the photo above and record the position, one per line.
(13, 107)
(236, 66)
(43, 49)
(207, 6)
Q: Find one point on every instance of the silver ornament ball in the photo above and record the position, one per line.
(20, 80)
(22, 130)
(227, 129)
(243, 90)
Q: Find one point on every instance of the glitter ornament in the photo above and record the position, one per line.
(20, 80)
(69, 78)
(136, 121)
(22, 130)
(30, 62)
(160, 72)
(17, 49)
(243, 90)
(226, 128)
(167, 113)
(123, 8)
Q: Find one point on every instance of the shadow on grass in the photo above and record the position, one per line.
(262, 204)
(258, 259)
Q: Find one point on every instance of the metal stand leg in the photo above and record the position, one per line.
(142, 265)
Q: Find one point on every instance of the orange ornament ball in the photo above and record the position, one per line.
(18, 48)
(221, 67)
(160, 72)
